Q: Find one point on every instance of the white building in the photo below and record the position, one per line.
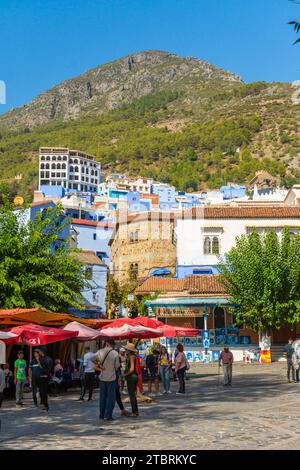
(206, 233)
(70, 169)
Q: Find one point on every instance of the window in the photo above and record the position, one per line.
(215, 246)
(53, 166)
(89, 272)
(94, 236)
(134, 236)
(42, 166)
(42, 158)
(133, 271)
(207, 246)
(211, 246)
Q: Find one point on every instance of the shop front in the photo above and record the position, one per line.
(214, 319)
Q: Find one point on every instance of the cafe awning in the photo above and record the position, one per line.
(188, 302)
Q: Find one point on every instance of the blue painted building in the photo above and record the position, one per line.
(233, 192)
(166, 193)
(94, 236)
(95, 291)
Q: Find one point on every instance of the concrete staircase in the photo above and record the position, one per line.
(277, 352)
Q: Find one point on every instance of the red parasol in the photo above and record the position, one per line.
(170, 331)
(35, 335)
(85, 333)
(130, 331)
(8, 338)
(142, 321)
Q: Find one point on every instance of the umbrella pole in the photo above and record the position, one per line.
(30, 353)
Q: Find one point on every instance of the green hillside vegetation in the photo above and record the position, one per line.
(204, 130)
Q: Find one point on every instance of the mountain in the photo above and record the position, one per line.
(111, 85)
(153, 113)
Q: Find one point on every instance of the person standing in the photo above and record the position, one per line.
(180, 368)
(131, 377)
(89, 374)
(45, 365)
(226, 358)
(152, 371)
(20, 378)
(288, 351)
(164, 368)
(2, 384)
(296, 362)
(34, 375)
(107, 361)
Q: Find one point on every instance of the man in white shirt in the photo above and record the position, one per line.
(107, 361)
(89, 373)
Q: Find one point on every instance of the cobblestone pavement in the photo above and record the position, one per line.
(260, 411)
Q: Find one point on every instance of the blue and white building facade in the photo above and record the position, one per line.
(67, 170)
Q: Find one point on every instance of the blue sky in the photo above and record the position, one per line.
(44, 42)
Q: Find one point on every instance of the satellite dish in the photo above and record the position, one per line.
(18, 201)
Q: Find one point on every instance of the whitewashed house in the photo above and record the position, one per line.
(203, 234)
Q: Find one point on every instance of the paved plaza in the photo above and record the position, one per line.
(260, 411)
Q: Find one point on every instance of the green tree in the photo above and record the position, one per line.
(114, 295)
(262, 276)
(32, 274)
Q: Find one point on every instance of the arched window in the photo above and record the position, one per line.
(47, 166)
(43, 158)
(54, 158)
(219, 315)
(59, 158)
(53, 166)
(48, 158)
(76, 169)
(215, 246)
(63, 166)
(58, 166)
(76, 161)
(42, 166)
(207, 246)
(92, 172)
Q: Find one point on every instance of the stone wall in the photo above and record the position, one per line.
(153, 249)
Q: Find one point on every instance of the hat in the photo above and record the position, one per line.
(130, 347)
(122, 349)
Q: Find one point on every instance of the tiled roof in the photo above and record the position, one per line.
(87, 257)
(91, 223)
(202, 284)
(267, 212)
(162, 284)
(41, 203)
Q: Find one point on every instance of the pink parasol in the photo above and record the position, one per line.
(130, 331)
(85, 333)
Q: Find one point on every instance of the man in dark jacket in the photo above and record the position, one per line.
(46, 366)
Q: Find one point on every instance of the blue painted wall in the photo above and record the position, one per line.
(182, 271)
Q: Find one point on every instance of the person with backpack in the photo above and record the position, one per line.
(107, 361)
(131, 377)
(46, 367)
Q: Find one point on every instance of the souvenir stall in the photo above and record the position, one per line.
(213, 320)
